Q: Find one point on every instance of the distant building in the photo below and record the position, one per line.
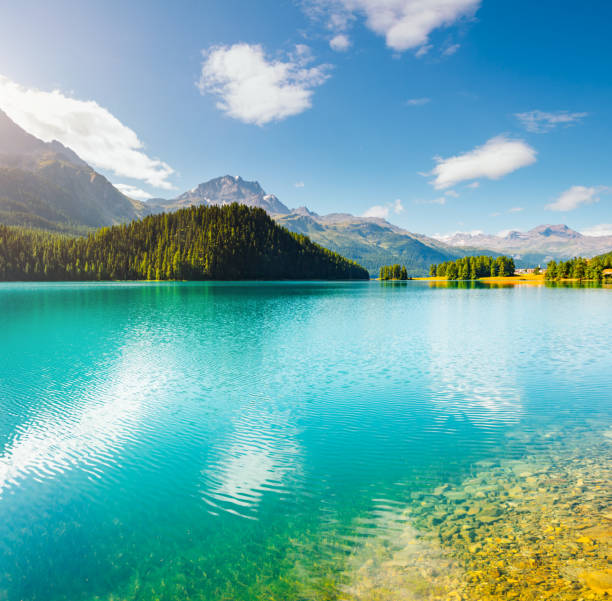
(528, 271)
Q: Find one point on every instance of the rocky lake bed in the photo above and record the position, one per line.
(529, 529)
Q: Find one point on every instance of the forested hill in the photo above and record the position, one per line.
(232, 242)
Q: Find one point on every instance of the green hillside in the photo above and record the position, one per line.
(232, 242)
(604, 260)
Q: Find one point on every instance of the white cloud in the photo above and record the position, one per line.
(299, 184)
(540, 122)
(133, 191)
(602, 229)
(516, 210)
(96, 135)
(451, 193)
(340, 43)
(450, 50)
(494, 159)
(575, 196)
(473, 185)
(417, 101)
(405, 24)
(254, 89)
(383, 211)
(377, 211)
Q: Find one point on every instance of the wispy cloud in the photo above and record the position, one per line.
(499, 156)
(417, 101)
(423, 50)
(450, 235)
(92, 131)
(440, 200)
(299, 184)
(450, 50)
(405, 24)
(133, 191)
(540, 122)
(383, 211)
(601, 229)
(515, 210)
(256, 89)
(575, 197)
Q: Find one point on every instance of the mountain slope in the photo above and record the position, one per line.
(370, 241)
(232, 242)
(45, 184)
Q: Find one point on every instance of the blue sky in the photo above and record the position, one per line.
(361, 103)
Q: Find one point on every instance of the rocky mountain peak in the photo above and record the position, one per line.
(560, 230)
(227, 189)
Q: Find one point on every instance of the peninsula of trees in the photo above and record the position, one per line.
(232, 242)
(472, 268)
(393, 272)
(580, 269)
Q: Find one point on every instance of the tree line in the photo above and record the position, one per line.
(472, 268)
(232, 242)
(579, 268)
(393, 272)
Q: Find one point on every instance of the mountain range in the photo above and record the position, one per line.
(539, 245)
(370, 241)
(45, 185)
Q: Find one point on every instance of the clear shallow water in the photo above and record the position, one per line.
(245, 441)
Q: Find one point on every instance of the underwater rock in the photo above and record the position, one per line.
(600, 582)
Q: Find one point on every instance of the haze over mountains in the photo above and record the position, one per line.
(46, 185)
(540, 244)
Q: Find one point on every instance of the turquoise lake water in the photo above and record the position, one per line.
(234, 441)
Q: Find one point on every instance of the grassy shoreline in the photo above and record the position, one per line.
(514, 279)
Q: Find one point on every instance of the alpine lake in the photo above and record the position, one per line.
(363, 441)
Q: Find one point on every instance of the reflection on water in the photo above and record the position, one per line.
(474, 361)
(85, 432)
(139, 425)
(258, 457)
(477, 284)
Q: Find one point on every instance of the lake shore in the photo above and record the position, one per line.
(537, 280)
(514, 279)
